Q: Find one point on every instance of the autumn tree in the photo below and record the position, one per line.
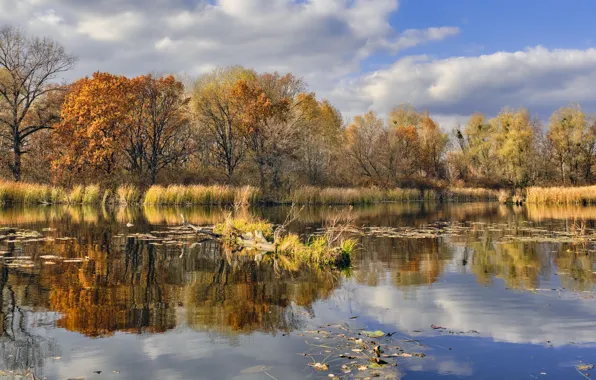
(573, 140)
(322, 126)
(218, 112)
(365, 137)
(418, 144)
(270, 122)
(28, 66)
(159, 132)
(513, 142)
(95, 118)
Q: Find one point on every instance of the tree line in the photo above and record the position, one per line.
(237, 126)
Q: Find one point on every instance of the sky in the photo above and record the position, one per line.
(451, 58)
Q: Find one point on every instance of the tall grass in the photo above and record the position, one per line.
(470, 194)
(561, 195)
(310, 195)
(91, 195)
(128, 194)
(175, 195)
(76, 195)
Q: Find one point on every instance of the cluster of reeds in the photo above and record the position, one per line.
(128, 195)
(310, 195)
(470, 194)
(331, 249)
(35, 194)
(201, 195)
(561, 195)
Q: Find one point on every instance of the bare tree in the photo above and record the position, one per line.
(28, 65)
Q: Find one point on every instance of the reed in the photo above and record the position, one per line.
(470, 194)
(561, 195)
(175, 195)
(91, 195)
(128, 194)
(310, 195)
(76, 195)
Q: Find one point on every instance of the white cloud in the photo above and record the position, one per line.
(324, 41)
(537, 78)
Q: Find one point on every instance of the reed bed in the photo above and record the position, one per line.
(25, 193)
(175, 195)
(310, 195)
(128, 195)
(470, 194)
(561, 195)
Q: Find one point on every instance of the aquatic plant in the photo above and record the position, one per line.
(177, 195)
(469, 194)
(249, 234)
(76, 195)
(128, 194)
(91, 195)
(561, 195)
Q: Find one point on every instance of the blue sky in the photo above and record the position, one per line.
(450, 57)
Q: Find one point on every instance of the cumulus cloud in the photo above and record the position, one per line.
(323, 41)
(537, 78)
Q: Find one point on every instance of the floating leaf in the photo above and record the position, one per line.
(374, 334)
(320, 366)
(585, 367)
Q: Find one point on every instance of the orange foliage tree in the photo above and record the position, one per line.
(95, 117)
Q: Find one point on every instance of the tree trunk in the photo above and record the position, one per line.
(16, 165)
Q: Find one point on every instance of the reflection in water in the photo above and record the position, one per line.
(105, 281)
(129, 285)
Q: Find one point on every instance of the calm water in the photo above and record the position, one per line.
(513, 292)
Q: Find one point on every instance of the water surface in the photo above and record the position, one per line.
(84, 296)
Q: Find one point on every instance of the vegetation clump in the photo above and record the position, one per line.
(176, 195)
(254, 235)
(561, 195)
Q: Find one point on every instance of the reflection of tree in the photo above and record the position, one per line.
(408, 262)
(576, 267)
(137, 286)
(519, 264)
(22, 349)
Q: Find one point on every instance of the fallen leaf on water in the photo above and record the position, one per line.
(320, 366)
(585, 367)
(362, 368)
(374, 334)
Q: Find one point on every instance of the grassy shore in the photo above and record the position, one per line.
(561, 195)
(177, 195)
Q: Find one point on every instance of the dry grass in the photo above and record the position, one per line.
(27, 193)
(91, 195)
(309, 195)
(128, 195)
(469, 194)
(331, 249)
(175, 195)
(561, 195)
